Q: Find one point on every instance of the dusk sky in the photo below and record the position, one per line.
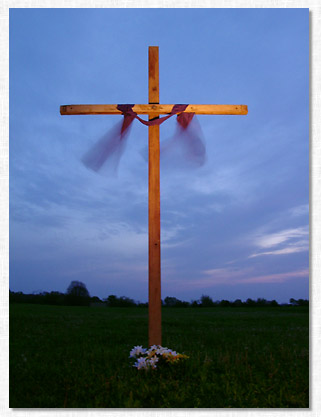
(236, 227)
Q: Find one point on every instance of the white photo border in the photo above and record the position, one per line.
(315, 204)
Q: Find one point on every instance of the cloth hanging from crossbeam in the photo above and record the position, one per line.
(112, 144)
(129, 114)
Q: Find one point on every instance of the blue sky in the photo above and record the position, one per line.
(237, 227)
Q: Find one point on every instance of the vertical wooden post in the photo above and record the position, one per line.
(154, 278)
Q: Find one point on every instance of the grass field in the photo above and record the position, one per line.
(77, 357)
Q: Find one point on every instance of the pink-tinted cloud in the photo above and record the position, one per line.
(293, 240)
(284, 251)
(276, 278)
(272, 239)
(229, 276)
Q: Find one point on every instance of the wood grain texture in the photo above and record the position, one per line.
(154, 109)
(154, 260)
(153, 75)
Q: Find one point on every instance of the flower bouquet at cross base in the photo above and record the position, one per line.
(155, 357)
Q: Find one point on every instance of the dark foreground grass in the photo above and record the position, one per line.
(77, 357)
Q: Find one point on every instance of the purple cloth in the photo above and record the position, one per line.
(112, 144)
(130, 115)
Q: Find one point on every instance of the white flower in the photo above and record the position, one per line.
(165, 352)
(141, 363)
(160, 350)
(137, 350)
(152, 361)
(146, 359)
(154, 347)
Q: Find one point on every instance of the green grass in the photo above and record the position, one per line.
(77, 357)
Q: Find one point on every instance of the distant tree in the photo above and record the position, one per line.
(250, 303)
(224, 303)
(54, 298)
(184, 304)
(237, 303)
(206, 301)
(171, 302)
(20, 297)
(261, 302)
(111, 301)
(274, 303)
(175, 302)
(302, 302)
(78, 289)
(139, 304)
(299, 302)
(114, 301)
(77, 294)
(96, 302)
(126, 302)
(195, 303)
(13, 297)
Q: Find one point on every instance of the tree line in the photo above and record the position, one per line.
(78, 295)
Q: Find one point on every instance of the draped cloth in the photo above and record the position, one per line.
(111, 145)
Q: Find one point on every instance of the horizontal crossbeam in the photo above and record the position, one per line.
(154, 109)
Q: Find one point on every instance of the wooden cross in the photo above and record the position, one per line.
(153, 110)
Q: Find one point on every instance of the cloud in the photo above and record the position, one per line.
(294, 240)
(301, 210)
(230, 276)
(215, 277)
(80, 239)
(274, 239)
(285, 251)
(226, 180)
(173, 236)
(276, 278)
